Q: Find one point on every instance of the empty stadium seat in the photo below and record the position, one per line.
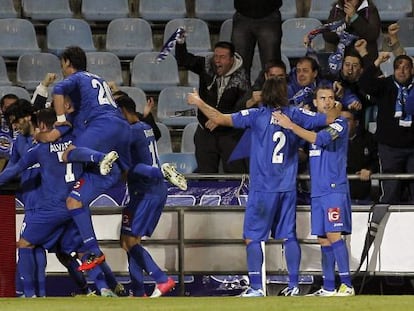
(320, 9)
(7, 9)
(32, 68)
(393, 10)
(46, 10)
(17, 37)
(214, 10)
(164, 143)
(126, 37)
(406, 34)
(294, 30)
(16, 90)
(4, 78)
(173, 109)
(106, 65)
(288, 10)
(150, 75)
(225, 30)
(64, 32)
(161, 10)
(137, 95)
(187, 139)
(198, 34)
(184, 162)
(104, 10)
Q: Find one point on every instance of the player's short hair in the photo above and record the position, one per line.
(21, 109)
(274, 93)
(7, 96)
(46, 116)
(127, 103)
(76, 56)
(322, 87)
(226, 45)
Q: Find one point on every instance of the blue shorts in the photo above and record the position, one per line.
(268, 212)
(143, 211)
(331, 213)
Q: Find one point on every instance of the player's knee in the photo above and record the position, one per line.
(247, 241)
(128, 242)
(22, 243)
(72, 203)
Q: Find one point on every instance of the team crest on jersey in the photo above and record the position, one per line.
(78, 185)
(334, 214)
(5, 143)
(244, 112)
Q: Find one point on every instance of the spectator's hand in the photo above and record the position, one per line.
(306, 41)
(210, 125)
(338, 89)
(361, 47)
(393, 30)
(349, 10)
(282, 120)
(148, 106)
(355, 105)
(382, 58)
(193, 98)
(364, 174)
(50, 77)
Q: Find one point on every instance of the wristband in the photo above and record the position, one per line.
(61, 118)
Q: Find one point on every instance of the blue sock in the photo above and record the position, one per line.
(254, 264)
(85, 155)
(72, 265)
(27, 267)
(97, 275)
(293, 256)
(328, 267)
(137, 277)
(140, 254)
(147, 170)
(109, 275)
(82, 218)
(340, 251)
(40, 258)
(19, 282)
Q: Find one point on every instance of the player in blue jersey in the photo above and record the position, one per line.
(51, 219)
(148, 194)
(97, 124)
(330, 200)
(271, 207)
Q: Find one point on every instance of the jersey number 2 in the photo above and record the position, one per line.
(280, 139)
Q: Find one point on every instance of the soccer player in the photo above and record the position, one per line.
(97, 124)
(271, 207)
(148, 194)
(330, 200)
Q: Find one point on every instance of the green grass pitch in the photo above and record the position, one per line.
(357, 303)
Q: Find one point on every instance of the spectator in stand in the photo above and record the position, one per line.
(362, 158)
(223, 84)
(6, 133)
(302, 8)
(362, 19)
(257, 22)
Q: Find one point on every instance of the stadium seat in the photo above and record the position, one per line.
(225, 30)
(4, 78)
(288, 10)
(104, 10)
(161, 10)
(64, 32)
(137, 95)
(46, 10)
(17, 37)
(187, 139)
(180, 200)
(164, 143)
(294, 30)
(106, 65)
(173, 109)
(150, 75)
(7, 9)
(393, 10)
(185, 162)
(406, 34)
(214, 10)
(198, 34)
(320, 9)
(371, 113)
(16, 90)
(32, 68)
(126, 37)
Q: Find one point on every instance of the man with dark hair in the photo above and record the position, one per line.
(6, 133)
(223, 83)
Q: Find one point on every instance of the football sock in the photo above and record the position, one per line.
(19, 282)
(40, 260)
(137, 277)
(27, 267)
(254, 264)
(328, 267)
(109, 275)
(293, 256)
(141, 255)
(97, 275)
(340, 251)
(148, 171)
(82, 218)
(72, 265)
(85, 155)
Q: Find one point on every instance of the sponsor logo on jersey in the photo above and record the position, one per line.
(244, 112)
(78, 185)
(334, 214)
(337, 127)
(59, 147)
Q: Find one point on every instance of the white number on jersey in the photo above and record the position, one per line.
(280, 139)
(154, 153)
(69, 176)
(104, 93)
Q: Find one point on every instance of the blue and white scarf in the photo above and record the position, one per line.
(170, 44)
(405, 119)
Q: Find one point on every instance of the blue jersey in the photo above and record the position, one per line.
(274, 150)
(328, 159)
(57, 177)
